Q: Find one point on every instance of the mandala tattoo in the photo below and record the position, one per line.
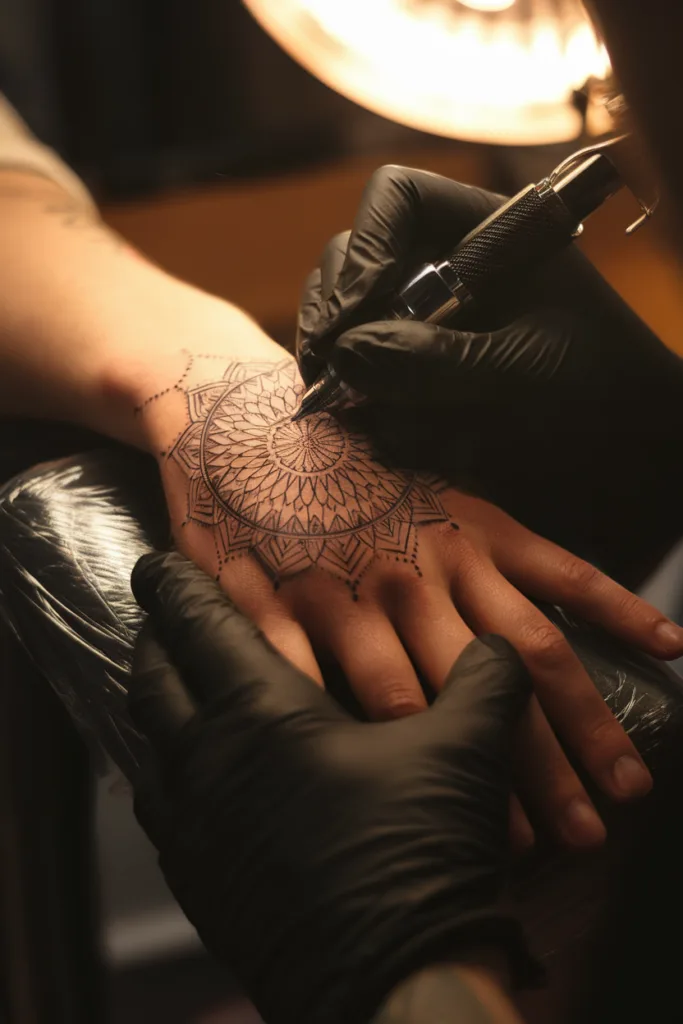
(295, 495)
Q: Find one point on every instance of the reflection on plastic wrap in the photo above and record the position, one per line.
(70, 533)
(645, 695)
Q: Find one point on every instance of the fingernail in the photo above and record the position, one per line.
(670, 636)
(581, 825)
(631, 777)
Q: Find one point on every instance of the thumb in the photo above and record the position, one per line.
(485, 694)
(318, 287)
(218, 652)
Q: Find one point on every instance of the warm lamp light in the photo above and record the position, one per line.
(497, 71)
(488, 5)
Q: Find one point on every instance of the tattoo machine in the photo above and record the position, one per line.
(520, 236)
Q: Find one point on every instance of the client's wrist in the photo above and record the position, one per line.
(472, 991)
(181, 331)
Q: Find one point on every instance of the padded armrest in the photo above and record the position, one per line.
(70, 534)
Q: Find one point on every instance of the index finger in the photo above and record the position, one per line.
(549, 573)
(568, 696)
(318, 287)
(405, 215)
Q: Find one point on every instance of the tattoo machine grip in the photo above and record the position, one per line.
(518, 237)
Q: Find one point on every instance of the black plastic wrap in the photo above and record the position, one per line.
(645, 695)
(70, 533)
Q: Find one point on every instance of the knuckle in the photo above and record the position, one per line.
(402, 579)
(409, 587)
(544, 646)
(388, 172)
(605, 732)
(391, 179)
(382, 178)
(396, 700)
(580, 576)
(628, 606)
(451, 534)
(465, 551)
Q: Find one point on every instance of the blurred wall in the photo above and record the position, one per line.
(254, 242)
(141, 94)
(148, 98)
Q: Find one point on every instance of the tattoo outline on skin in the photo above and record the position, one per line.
(294, 495)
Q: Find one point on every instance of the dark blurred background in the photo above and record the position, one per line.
(196, 131)
(143, 94)
(216, 154)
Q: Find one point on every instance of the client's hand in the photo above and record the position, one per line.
(322, 859)
(337, 556)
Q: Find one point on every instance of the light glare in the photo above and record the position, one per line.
(445, 67)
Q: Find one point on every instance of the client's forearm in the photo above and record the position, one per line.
(449, 994)
(87, 326)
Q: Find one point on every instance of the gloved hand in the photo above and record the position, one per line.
(321, 858)
(559, 403)
(565, 337)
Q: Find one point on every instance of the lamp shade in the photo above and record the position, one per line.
(496, 71)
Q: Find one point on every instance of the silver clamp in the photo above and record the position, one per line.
(570, 162)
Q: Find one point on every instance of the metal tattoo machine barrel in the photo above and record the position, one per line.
(521, 235)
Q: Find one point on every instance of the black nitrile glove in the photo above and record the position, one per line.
(322, 859)
(559, 403)
(564, 337)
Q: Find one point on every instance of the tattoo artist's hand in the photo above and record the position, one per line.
(405, 213)
(320, 858)
(567, 410)
(565, 338)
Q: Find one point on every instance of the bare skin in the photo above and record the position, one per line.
(295, 495)
(467, 993)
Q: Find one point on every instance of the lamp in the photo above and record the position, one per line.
(495, 71)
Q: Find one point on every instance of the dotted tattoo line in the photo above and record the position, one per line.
(249, 449)
(173, 387)
(178, 386)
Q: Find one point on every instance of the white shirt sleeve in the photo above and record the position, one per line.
(21, 151)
